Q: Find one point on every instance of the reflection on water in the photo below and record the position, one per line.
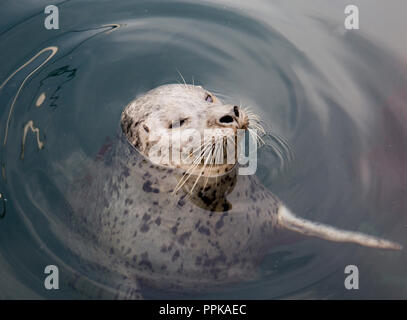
(337, 97)
(30, 126)
(28, 63)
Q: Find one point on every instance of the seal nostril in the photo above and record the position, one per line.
(236, 111)
(226, 119)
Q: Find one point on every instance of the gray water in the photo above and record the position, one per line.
(336, 96)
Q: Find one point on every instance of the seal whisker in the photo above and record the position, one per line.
(186, 176)
(218, 148)
(258, 128)
(211, 166)
(183, 79)
(193, 166)
(254, 123)
(201, 148)
(200, 174)
(256, 137)
(220, 94)
(213, 152)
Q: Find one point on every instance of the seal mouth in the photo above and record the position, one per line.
(215, 157)
(220, 156)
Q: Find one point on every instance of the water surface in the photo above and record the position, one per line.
(337, 97)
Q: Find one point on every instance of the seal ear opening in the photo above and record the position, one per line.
(288, 220)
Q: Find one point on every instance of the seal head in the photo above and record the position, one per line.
(180, 125)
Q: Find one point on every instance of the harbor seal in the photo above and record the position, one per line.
(178, 226)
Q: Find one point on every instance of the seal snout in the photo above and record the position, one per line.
(234, 117)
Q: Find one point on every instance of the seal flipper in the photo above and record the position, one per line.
(290, 221)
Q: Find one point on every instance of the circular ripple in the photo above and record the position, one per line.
(331, 120)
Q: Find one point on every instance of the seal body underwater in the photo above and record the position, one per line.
(183, 226)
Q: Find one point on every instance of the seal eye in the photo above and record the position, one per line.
(209, 98)
(177, 124)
